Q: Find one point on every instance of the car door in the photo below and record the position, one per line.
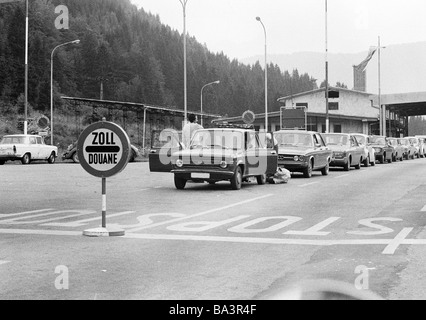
(159, 156)
(356, 150)
(321, 150)
(33, 148)
(43, 150)
(254, 155)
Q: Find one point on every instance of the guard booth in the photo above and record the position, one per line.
(293, 118)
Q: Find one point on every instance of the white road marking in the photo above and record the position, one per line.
(423, 209)
(391, 244)
(397, 241)
(200, 214)
(3, 262)
(308, 184)
(79, 223)
(315, 230)
(22, 213)
(16, 222)
(341, 176)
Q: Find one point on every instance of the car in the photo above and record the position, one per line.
(26, 148)
(302, 151)
(347, 152)
(71, 153)
(408, 150)
(422, 140)
(233, 153)
(369, 154)
(383, 151)
(399, 150)
(415, 146)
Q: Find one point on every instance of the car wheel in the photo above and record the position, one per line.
(358, 166)
(382, 159)
(132, 156)
(26, 159)
(75, 157)
(180, 183)
(307, 173)
(261, 179)
(52, 158)
(347, 166)
(367, 162)
(326, 170)
(237, 179)
(2, 163)
(390, 160)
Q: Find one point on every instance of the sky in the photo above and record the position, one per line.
(293, 25)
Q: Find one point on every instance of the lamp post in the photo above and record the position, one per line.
(327, 118)
(266, 77)
(382, 110)
(184, 2)
(51, 86)
(208, 84)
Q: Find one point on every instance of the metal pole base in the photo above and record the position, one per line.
(103, 232)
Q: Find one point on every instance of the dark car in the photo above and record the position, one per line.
(218, 154)
(382, 149)
(347, 152)
(302, 151)
(71, 153)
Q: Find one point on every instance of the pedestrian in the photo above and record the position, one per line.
(189, 129)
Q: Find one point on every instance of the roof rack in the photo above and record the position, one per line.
(225, 124)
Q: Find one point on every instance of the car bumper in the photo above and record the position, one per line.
(338, 162)
(203, 175)
(293, 165)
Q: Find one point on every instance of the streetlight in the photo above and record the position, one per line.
(327, 117)
(183, 2)
(266, 77)
(51, 87)
(208, 84)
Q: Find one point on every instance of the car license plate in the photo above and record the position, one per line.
(200, 175)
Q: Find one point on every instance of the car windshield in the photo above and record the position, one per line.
(403, 142)
(13, 140)
(217, 138)
(414, 141)
(393, 142)
(361, 140)
(294, 139)
(378, 140)
(336, 139)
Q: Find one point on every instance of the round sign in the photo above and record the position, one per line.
(103, 149)
(249, 117)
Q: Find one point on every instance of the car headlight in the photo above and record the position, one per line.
(296, 158)
(179, 163)
(223, 164)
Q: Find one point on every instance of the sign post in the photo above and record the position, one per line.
(103, 149)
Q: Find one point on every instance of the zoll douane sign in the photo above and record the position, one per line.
(103, 149)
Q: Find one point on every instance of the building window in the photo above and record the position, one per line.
(333, 106)
(338, 128)
(312, 127)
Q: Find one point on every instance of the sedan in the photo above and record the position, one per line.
(408, 150)
(415, 146)
(346, 150)
(302, 151)
(399, 150)
(369, 154)
(384, 151)
(26, 148)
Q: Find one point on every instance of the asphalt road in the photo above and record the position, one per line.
(364, 228)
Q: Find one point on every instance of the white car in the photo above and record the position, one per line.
(369, 154)
(26, 148)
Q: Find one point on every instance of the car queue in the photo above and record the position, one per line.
(237, 153)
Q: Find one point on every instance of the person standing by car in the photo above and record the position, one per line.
(189, 129)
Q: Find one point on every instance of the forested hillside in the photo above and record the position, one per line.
(135, 56)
